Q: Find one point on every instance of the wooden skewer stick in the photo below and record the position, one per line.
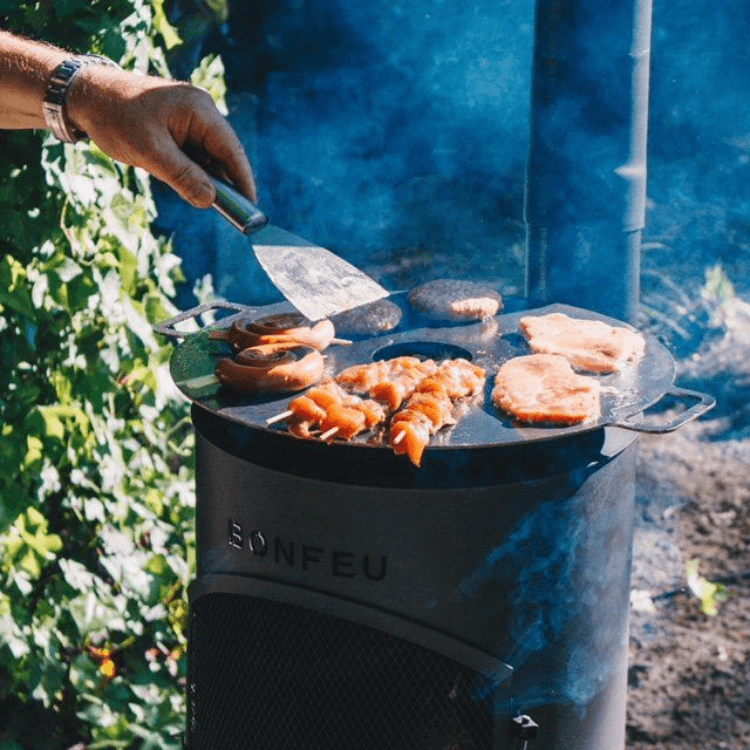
(279, 417)
(401, 435)
(329, 433)
(341, 342)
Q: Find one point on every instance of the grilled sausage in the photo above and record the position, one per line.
(272, 367)
(286, 328)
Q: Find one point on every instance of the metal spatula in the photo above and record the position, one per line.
(317, 282)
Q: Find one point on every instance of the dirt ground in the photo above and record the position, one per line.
(689, 672)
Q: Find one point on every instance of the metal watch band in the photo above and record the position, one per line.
(53, 105)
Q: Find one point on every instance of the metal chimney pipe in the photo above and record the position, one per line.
(585, 200)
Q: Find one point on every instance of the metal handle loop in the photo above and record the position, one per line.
(167, 327)
(705, 403)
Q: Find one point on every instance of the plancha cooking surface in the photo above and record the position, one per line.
(488, 343)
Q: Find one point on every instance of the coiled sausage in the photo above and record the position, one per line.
(285, 328)
(272, 367)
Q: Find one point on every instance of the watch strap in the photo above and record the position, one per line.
(53, 105)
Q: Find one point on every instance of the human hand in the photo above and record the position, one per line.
(149, 122)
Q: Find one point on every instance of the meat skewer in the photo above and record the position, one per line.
(430, 406)
(386, 382)
(428, 390)
(335, 411)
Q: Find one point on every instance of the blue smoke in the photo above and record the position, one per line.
(563, 576)
(386, 126)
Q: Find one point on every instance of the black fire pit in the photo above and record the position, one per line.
(348, 600)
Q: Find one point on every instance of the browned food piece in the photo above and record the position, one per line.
(456, 300)
(287, 328)
(544, 389)
(391, 393)
(589, 345)
(325, 394)
(458, 377)
(430, 406)
(327, 406)
(347, 421)
(370, 319)
(410, 434)
(435, 406)
(387, 380)
(306, 412)
(374, 412)
(305, 409)
(360, 378)
(272, 367)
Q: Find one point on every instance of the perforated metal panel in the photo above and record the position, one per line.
(271, 676)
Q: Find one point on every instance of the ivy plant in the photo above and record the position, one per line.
(96, 475)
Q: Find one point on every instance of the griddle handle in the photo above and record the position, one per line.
(167, 327)
(705, 403)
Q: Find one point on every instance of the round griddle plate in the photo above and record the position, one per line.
(488, 343)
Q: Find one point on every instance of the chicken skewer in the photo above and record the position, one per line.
(386, 382)
(335, 411)
(430, 407)
(428, 390)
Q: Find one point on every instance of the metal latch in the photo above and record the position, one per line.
(523, 731)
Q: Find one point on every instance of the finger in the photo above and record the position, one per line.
(188, 179)
(223, 146)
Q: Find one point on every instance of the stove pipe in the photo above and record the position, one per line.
(586, 175)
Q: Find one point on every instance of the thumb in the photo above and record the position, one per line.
(185, 176)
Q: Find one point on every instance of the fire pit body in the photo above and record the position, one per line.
(347, 599)
(343, 614)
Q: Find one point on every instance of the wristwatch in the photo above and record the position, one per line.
(53, 105)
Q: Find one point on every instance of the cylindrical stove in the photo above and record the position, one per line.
(348, 600)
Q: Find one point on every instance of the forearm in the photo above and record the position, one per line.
(140, 120)
(25, 71)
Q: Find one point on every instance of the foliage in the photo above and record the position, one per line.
(96, 481)
(709, 594)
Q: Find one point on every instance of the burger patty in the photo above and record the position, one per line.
(589, 345)
(370, 319)
(544, 389)
(455, 300)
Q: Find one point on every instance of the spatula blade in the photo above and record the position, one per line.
(316, 281)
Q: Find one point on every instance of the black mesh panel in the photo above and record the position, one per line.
(270, 676)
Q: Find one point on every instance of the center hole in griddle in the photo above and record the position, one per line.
(437, 350)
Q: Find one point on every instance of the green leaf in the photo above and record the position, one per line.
(210, 75)
(710, 594)
(14, 288)
(162, 25)
(33, 455)
(64, 8)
